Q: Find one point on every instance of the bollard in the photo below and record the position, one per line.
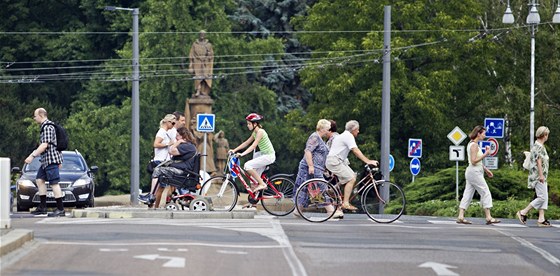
(5, 191)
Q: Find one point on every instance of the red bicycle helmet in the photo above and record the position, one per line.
(254, 117)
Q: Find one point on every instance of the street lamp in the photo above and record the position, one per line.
(533, 19)
(135, 144)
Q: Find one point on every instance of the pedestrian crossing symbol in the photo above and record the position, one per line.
(205, 122)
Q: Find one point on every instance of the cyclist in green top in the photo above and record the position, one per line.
(264, 157)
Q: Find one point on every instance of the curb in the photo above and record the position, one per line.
(14, 239)
(122, 213)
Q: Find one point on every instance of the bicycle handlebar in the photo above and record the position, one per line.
(371, 168)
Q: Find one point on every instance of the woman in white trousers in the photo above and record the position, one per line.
(474, 176)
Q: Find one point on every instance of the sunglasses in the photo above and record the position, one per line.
(173, 123)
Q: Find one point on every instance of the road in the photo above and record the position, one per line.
(283, 246)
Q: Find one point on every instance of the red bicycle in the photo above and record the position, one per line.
(276, 199)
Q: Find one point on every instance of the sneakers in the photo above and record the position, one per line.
(57, 213)
(147, 198)
(39, 211)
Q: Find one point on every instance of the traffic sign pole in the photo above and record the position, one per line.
(204, 153)
(457, 180)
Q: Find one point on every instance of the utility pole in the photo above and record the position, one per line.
(386, 95)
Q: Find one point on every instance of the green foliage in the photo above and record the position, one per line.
(445, 72)
(435, 195)
(501, 209)
(102, 135)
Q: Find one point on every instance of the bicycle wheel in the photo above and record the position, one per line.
(386, 205)
(279, 203)
(220, 192)
(316, 200)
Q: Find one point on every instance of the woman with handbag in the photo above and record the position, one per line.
(538, 174)
(162, 142)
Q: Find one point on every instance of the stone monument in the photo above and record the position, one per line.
(201, 66)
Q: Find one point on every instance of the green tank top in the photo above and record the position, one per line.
(265, 146)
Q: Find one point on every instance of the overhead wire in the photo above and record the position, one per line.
(221, 72)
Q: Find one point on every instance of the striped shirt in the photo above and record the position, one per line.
(48, 135)
(265, 146)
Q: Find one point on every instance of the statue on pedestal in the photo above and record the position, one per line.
(201, 65)
(222, 148)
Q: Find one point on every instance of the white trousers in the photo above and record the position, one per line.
(541, 202)
(476, 182)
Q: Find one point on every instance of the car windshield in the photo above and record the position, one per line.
(72, 162)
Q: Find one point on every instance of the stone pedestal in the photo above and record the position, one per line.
(201, 105)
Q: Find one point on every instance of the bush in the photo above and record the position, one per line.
(435, 195)
(502, 209)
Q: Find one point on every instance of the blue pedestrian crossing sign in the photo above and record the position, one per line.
(494, 127)
(414, 148)
(205, 122)
(414, 166)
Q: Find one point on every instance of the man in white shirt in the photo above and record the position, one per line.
(179, 122)
(337, 160)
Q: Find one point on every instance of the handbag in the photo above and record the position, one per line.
(151, 166)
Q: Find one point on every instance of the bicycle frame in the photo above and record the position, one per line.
(364, 183)
(234, 167)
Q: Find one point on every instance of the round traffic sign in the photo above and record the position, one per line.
(494, 146)
(391, 163)
(415, 166)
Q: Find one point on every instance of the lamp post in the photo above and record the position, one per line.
(533, 19)
(135, 141)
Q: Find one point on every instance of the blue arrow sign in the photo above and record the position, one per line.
(494, 127)
(391, 163)
(414, 148)
(415, 166)
(205, 122)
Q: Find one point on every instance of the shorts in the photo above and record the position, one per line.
(340, 169)
(49, 173)
(259, 162)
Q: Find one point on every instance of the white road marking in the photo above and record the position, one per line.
(232, 252)
(549, 257)
(164, 249)
(113, 249)
(174, 262)
(440, 269)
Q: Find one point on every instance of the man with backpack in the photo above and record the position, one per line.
(51, 159)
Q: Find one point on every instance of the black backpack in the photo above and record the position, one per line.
(61, 136)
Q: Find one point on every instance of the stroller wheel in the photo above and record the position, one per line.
(172, 206)
(199, 205)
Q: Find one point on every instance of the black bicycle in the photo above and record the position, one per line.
(383, 201)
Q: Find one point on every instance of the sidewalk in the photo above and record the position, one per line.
(119, 207)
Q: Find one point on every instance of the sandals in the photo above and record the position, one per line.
(492, 221)
(463, 221)
(349, 207)
(522, 218)
(545, 223)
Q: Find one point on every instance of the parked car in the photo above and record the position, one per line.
(76, 181)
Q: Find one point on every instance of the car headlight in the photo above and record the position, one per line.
(25, 183)
(82, 182)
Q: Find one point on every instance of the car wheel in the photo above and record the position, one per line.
(22, 208)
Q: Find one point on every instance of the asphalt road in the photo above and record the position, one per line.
(283, 246)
